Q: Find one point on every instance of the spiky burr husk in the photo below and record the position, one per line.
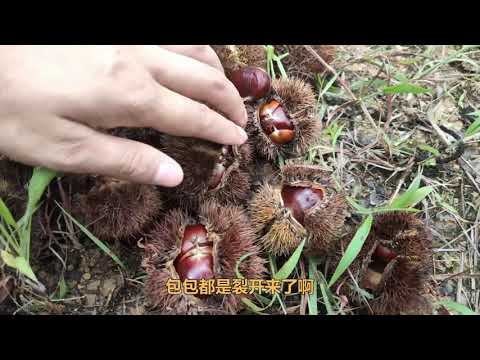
(234, 57)
(298, 101)
(114, 209)
(279, 232)
(147, 136)
(301, 63)
(403, 283)
(232, 236)
(198, 159)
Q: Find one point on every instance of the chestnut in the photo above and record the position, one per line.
(211, 171)
(371, 279)
(299, 199)
(217, 176)
(394, 264)
(284, 122)
(205, 243)
(223, 162)
(384, 254)
(300, 203)
(275, 123)
(251, 82)
(195, 261)
(380, 258)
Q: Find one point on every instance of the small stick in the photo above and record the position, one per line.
(461, 161)
(342, 83)
(407, 172)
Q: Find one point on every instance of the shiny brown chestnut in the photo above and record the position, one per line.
(371, 280)
(384, 254)
(275, 123)
(223, 232)
(380, 259)
(299, 203)
(195, 261)
(219, 168)
(300, 199)
(217, 176)
(395, 265)
(251, 82)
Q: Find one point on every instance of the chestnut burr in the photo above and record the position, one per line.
(200, 245)
(301, 203)
(394, 265)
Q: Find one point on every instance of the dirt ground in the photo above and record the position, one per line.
(80, 279)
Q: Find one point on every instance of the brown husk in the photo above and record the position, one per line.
(232, 235)
(298, 100)
(279, 233)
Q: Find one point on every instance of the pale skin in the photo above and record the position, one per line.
(54, 100)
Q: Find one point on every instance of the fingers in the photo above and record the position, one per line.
(130, 160)
(134, 99)
(178, 115)
(202, 53)
(195, 80)
(70, 147)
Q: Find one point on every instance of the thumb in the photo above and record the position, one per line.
(70, 147)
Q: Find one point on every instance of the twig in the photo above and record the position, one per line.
(343, 83)
(407, 172)
(461, 161)
(68, 222)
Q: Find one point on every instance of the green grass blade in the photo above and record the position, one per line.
(19, 263)
(328, 85)
(429, 149)
(263, 299)
(312, 298)
(237, 265)
(473, 128)
(255, 308)
(415, 185)
(328, 305)
(39, 182)
(353, 249)
(406, 88)
(327, 295)
(287, 268)
(410, 199)
(279, 63)
(459, 308)
(92, 237)
(62, 289)
(336, 135)
(382, 210)
(7, 215)
(8, 239)
(273, 264)
(358, 207)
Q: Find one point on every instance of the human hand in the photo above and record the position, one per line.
(55, 99)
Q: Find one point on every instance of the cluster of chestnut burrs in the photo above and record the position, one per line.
(227, 207)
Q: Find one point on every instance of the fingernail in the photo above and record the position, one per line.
(242, 135)
(169, 175)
